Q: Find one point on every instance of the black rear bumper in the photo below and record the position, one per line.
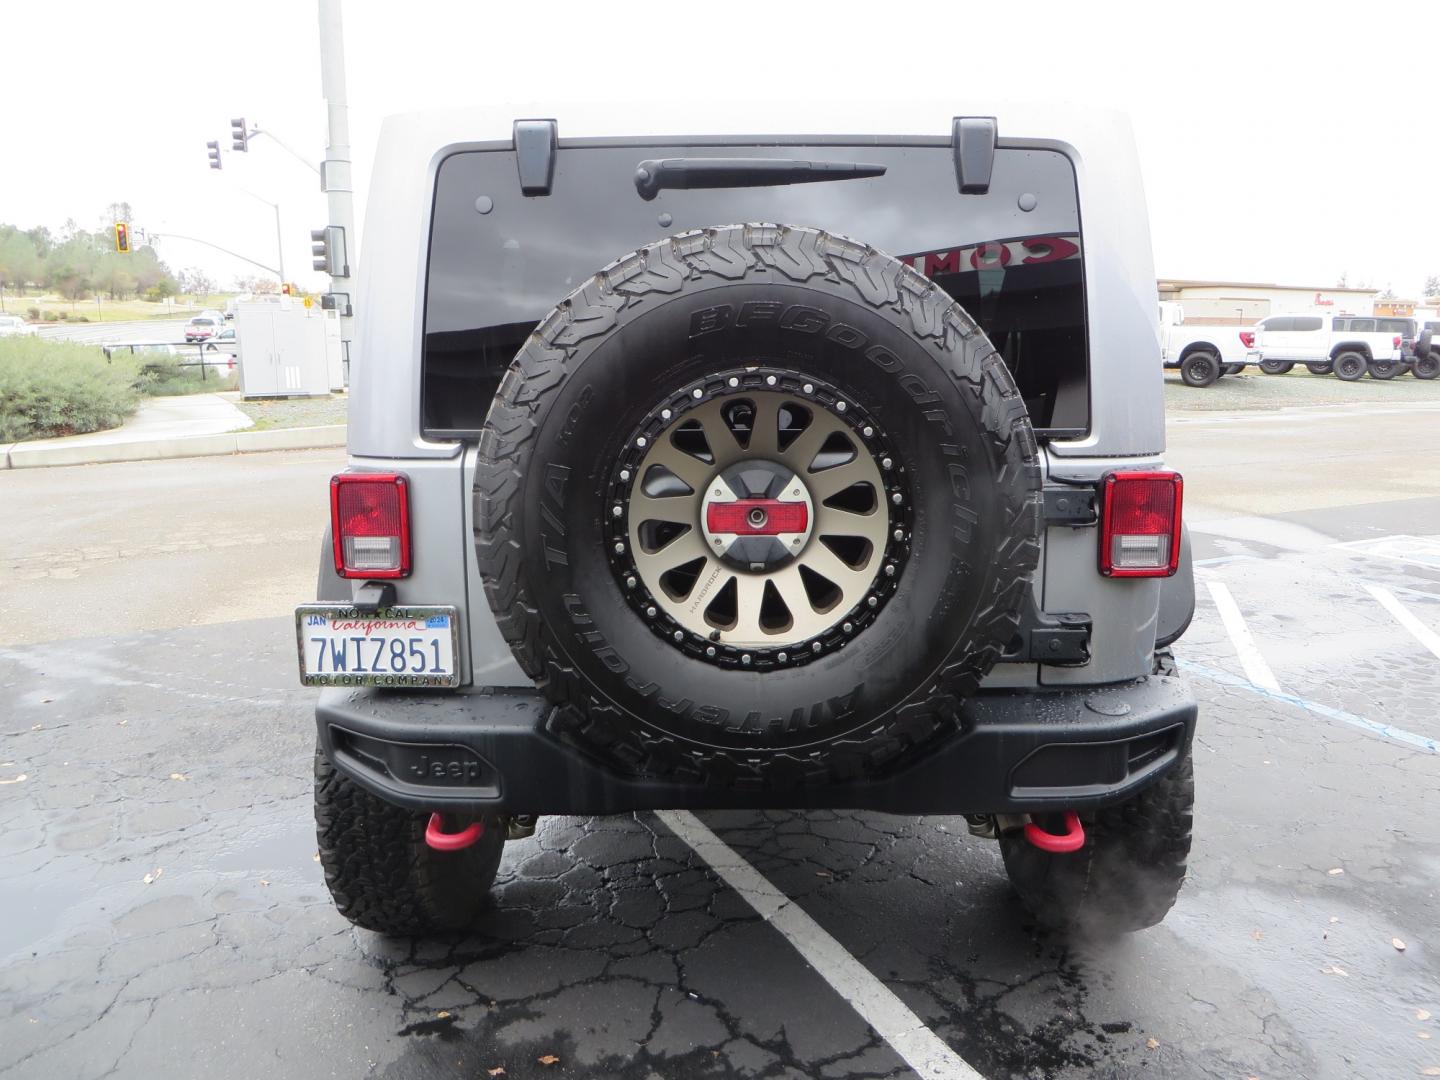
(1018, 751)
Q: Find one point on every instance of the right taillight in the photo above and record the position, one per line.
(1247, 338)
(1140, 524)
(370, 523)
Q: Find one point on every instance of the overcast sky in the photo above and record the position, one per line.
(1279, 143)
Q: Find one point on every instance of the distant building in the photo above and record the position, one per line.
(1219, 303)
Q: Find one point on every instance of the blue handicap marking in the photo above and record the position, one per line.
(437, 622)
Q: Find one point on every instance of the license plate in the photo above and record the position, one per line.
(398, 646)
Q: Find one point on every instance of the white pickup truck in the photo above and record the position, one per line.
(1202, 353)
(1346, 345)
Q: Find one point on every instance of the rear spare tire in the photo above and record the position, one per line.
(1200, 369)
(755, 504)
(1350, 366)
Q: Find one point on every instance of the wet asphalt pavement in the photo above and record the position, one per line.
(164, 915)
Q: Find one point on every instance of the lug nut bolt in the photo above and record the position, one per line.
(710, 651)
(890, 570)
(697, 393)
(847, 628)
(734, 381)
(815, 646)
(640, 441)
(745, 658)
(624, 474)
(839, 406)
(664, 414)
(867, 431)
(899, 534)
(630, 582)
(650, 611)
(885, 463)
(679, 635)
(616, 511)
(809, 388)
(896, 498)
(783, 657)
(769, 380)
(619, 548)
(872, 601)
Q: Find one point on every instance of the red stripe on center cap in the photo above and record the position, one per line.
(735, 517)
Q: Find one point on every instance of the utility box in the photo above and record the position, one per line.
(285, 348)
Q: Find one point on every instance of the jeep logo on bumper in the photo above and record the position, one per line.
(457, 770)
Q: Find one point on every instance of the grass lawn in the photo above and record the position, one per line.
(269, 413)
(113, 310)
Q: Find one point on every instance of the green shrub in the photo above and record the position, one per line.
(164, 375)
(50, 388)
(33, 314)
(50, 316)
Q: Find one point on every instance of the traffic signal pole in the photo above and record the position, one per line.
(335, 176)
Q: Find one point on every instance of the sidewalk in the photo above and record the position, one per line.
(192, 425)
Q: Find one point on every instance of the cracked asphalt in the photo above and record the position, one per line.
(164, 915)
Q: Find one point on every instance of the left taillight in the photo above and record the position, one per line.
(370, 522)
(1140, 524)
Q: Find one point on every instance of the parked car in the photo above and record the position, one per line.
(1426, 362)
(202, 328)
(1344, 344)
(224, 341)
(750, 516)
(1202, 353)
(14, 326)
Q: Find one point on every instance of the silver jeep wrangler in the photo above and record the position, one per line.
(754, 469)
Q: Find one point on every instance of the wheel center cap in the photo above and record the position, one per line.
(756, 515)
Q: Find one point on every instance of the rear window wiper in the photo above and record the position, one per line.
(653, 175)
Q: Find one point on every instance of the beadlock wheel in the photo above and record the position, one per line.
(756, 518)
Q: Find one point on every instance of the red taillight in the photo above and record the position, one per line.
(1247, 338)
(1140, 524)
(370, 522)
(1396, 342)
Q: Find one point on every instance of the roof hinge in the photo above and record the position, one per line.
(535, 144)
(972, 140)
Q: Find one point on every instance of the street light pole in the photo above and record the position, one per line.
(335, 178)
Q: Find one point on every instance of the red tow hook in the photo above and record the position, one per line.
(1072, 839)
(437, 838)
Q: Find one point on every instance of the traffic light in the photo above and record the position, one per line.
(327, 246)
(214, 151)
(239, 135)
(122, 238)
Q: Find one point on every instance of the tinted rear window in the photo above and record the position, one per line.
(494, 275)
(1279, 324)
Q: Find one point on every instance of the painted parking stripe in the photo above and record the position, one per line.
(891, 1018)
(1256, 669)
(1390, 603)
(1387, 731)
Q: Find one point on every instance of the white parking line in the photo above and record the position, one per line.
(891, 1018)
(1423, 633)
(1256, 669)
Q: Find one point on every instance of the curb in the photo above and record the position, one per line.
(37, 455)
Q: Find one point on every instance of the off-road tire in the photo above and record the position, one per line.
(1427, 367)
(1325, 368)
(1276, 367)
(381, 873)
(1128, 874)
(568, 409)
(1200, 369)
(1232, 369)
(1385, 369)
(1350, 366)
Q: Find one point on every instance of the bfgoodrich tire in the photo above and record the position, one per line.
(381, 873)
(719, 345)
(1128, 874)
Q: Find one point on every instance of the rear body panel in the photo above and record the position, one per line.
(1120, 399)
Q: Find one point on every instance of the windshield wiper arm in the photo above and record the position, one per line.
(653, 175)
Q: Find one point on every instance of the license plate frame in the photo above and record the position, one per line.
(380, 625)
